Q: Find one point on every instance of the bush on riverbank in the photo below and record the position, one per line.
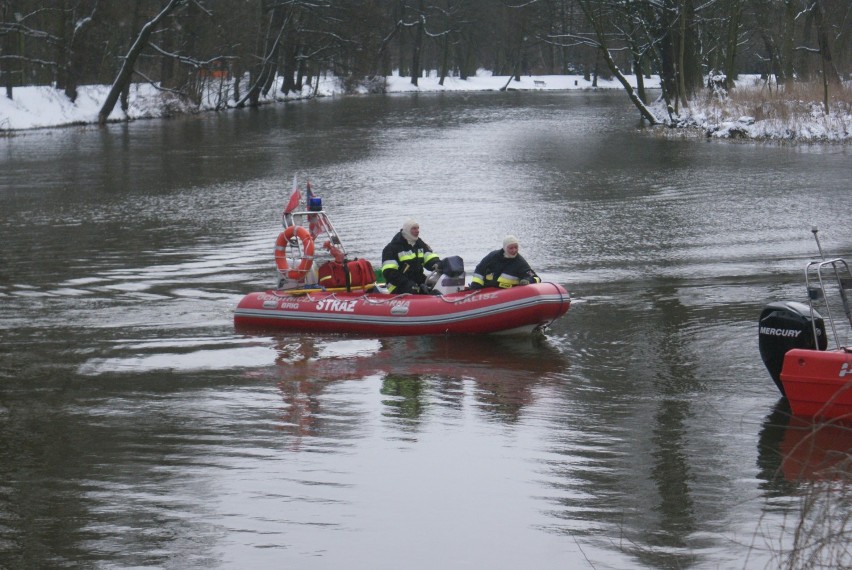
(757, 110)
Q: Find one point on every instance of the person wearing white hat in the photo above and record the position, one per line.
(405, 258)
(504, 268)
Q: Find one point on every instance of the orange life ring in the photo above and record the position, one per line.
(307, 252)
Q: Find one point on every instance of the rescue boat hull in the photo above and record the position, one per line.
(484, 311)
(818, 383)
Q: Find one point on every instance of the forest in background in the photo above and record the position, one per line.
(183, 45)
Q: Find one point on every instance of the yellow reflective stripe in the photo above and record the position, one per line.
(430, 257)
(390, 264)
(406, 256)
(478, 280)
(507, 280)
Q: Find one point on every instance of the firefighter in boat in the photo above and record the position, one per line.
(405, 258)
(504, 268)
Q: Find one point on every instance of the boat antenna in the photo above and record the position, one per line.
(815, 230)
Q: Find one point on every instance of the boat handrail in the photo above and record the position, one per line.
(816, 270)
(306, 217)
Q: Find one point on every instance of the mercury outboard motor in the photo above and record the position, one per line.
(785, 325)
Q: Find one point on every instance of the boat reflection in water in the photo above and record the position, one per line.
(794, 449)
(416, 372)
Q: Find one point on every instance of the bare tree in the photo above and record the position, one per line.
(7, 48)
(75, 22)
(122, 80)
(829, 72)
(599, 40)
(249, 46)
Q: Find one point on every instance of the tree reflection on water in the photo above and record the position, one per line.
(416, 372)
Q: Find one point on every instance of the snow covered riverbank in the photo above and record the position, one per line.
(45, 107)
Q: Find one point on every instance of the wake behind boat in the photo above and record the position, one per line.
(323, 290)
(813, 373)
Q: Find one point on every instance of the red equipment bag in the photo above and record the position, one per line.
(356, 273)
(361, 273)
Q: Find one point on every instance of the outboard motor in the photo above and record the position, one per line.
(449, 277)
(785, 325)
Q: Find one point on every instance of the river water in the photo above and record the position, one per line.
(139, 430)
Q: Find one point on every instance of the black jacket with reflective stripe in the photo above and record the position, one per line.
(497, 270)
(403, 263)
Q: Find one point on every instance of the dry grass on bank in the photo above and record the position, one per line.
(757, 110)
(783, 102)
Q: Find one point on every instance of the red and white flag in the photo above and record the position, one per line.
(295, 198)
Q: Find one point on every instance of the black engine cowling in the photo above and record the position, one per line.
(785, 325)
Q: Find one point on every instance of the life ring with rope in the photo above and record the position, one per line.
(307, 258)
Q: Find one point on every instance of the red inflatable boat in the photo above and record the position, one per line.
(519, 309)
(818, 383)
(321, 290)
(814, 376)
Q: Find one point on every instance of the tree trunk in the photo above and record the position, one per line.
(260, 79)
(638, 67)
(461, 61)
(63, 48)
(665, 91)
(803, 66)
(7, 47)
(418, 45)
(301, 70)
(445, 58)
(288, 72)
(666, 64)
(731, 44)
(122, 80)
(640, 80)
(681, 68)
(823, 39)
(270, 60)
(511, 77)
(236, 78)
(829, 72)
(693, 73)
(640, 105)
(788, 35)
(167, 43)
(400, 37)
(446, 45)
(775, 66)
(603, 49)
